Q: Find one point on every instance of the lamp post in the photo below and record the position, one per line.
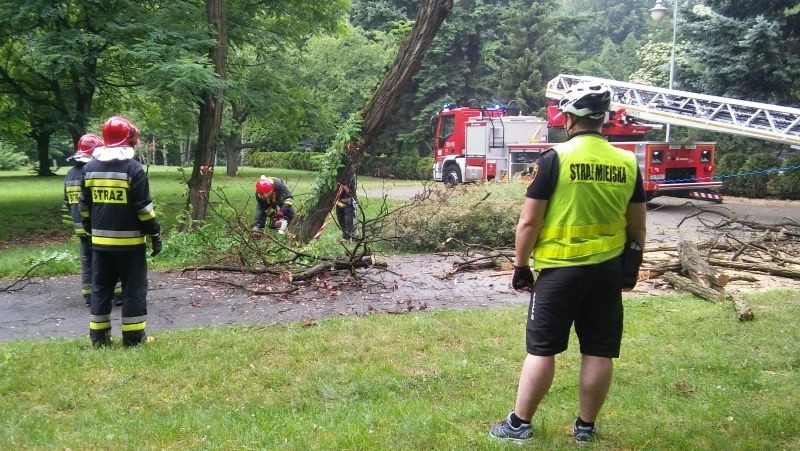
(658, 12)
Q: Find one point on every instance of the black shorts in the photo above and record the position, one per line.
(590, 296)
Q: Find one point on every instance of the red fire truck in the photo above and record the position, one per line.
(472, 143)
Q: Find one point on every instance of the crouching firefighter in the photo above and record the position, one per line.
(118, 214)
(273, 201)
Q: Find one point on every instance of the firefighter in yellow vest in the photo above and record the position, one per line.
(583, 224)
(72, 192)
(118, 214)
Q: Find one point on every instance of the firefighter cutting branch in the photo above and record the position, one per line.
(274, 202)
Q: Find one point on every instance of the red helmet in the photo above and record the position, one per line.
(120, 132)
(264, 185)
(86, 145)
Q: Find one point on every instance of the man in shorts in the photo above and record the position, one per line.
(583, 223)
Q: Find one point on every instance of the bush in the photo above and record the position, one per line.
(408, 167)
(760, 168)
(786, 185)
(11, 159)
(728, 169)
(485, 214)
(305, 161)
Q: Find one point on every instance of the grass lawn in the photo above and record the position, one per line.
(690, 377)
(31, 230)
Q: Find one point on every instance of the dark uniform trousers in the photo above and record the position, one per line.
(129, 266)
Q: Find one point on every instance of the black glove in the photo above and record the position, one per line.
(523, 278)
(155, 241)
(87, 225)
(631, 261)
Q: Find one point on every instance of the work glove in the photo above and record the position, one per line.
(631, 261)
(155, 242)
(87, 225)
(523, 278)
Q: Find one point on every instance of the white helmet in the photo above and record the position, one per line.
(586, 99)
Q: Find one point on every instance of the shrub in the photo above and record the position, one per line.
(786, 184)
(306, 161)
(760, 168)
(485, 214)
(728, 169)
(11, 159)
(407, 167)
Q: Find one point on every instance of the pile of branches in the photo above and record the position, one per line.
(736, 249)
(275, 264)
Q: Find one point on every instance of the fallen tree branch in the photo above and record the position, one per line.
(686, 284)
(758, 267)
(743, 310)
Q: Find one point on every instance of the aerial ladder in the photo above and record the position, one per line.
(687, 109)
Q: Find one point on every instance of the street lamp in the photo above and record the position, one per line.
(657, 13)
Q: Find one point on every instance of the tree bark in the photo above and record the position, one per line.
(758, 267)
(743, 311)
(686, 284)
(698, 269)
(382, 104)
(210, 117)
(43, 152)
(232, 152)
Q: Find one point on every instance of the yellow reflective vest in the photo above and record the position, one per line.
(585, 219)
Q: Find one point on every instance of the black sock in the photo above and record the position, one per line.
(583, 424)
(517, 421)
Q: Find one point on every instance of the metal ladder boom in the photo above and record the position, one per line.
(719, 114)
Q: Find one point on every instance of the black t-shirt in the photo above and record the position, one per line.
(545, 176)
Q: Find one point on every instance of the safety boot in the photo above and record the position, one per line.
(133, 338)
(100, 338)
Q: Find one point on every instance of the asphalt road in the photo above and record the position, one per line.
(53, 308)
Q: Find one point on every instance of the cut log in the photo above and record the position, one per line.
(698, 269)
(774, 270)
(741, 306)
(686, 284)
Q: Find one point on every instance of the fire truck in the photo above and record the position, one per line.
(473, 143)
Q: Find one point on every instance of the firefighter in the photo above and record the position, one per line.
(118, 214)
(584, 222)
(346, 206)
(72, 191)
(273, 201)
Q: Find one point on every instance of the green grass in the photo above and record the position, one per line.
(31, 230)
(690, 377)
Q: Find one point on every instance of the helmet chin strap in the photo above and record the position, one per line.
(571, 126)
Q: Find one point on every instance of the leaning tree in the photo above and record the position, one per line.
(373, 117)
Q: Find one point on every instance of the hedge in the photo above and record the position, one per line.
(408, 167)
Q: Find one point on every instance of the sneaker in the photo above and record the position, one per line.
(582, 434)
(504, 430)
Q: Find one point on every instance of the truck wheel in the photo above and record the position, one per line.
(452, 176)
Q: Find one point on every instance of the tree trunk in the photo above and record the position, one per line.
(232, 152)
(699, 269)
(210, 117)
(43, 153)
(767, 268)
(686, 284)
(743, 310)
(429, 18)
